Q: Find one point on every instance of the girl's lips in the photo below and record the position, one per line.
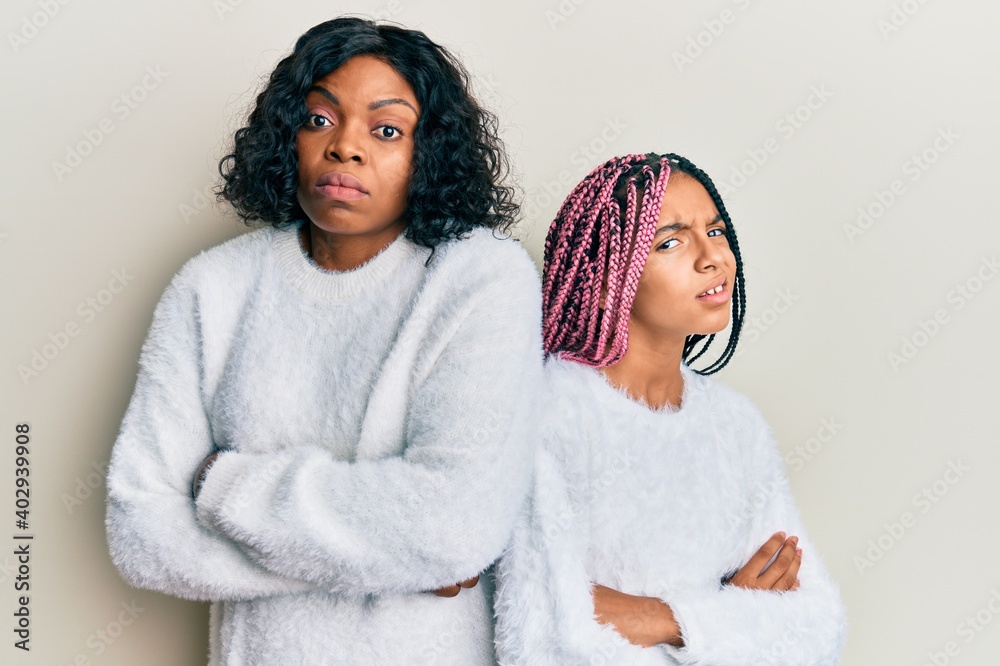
(340, 192)
(718, 297)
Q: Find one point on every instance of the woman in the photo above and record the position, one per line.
(348, 390)
(655, 486)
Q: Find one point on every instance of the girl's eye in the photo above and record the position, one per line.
(317, 120)
(666, 245)
(717, 232)
(388, 132)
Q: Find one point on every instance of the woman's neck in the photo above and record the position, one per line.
(649, 372)
(339, 252)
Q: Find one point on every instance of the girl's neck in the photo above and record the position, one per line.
(651, 373)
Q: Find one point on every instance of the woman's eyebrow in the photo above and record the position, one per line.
(325, 93)
(371, 107)
(394, 100)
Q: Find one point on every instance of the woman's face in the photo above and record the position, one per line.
(689, 257)
(355, 149)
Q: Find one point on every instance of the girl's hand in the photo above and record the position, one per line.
(453, 590)
(644, 621)
(783, 572)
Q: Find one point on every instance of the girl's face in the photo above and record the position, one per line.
(689, 257)
(355, 149)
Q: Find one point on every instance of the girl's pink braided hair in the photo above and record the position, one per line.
(592, 247)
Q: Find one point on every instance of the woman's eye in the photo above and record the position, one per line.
(666, 245)
(387, 131)
(717, 232)
(317, 120)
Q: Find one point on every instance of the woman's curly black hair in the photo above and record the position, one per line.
(459, 165)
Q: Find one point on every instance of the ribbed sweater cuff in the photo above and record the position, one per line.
(229, 467)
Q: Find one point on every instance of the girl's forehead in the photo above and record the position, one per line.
(687, 193)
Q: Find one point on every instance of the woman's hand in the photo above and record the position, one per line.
(453, 590)
(199, 475)
(644, 621)
(783, 572)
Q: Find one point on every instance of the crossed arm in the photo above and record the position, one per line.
(549, 610)
(199, 480)
(649, 621)
(297, 519)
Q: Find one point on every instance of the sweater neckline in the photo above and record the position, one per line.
(307, 276)
(625, 401)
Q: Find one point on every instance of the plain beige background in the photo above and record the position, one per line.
(870, 339)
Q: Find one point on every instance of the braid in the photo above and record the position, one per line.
(596, 249)
(739, 291)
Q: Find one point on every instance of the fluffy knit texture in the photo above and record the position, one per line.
(377, 431)
(660, 503)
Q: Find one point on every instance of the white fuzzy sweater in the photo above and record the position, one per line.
(659, 503)
(377, 428)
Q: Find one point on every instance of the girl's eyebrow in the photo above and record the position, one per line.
(677, 226)
(371, 107)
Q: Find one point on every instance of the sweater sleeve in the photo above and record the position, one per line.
(724, 625)
(154, 537)
(437, 514)
(544, 603)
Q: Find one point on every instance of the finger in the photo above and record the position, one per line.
(467, 584)
(757, 561)
(790, 577)
(782, 561)
(780, 565)
(449, 591)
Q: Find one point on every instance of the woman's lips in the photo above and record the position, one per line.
(342, 186)
(340, 192)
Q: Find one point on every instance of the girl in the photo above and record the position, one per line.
(655, 486)
(349, 389)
